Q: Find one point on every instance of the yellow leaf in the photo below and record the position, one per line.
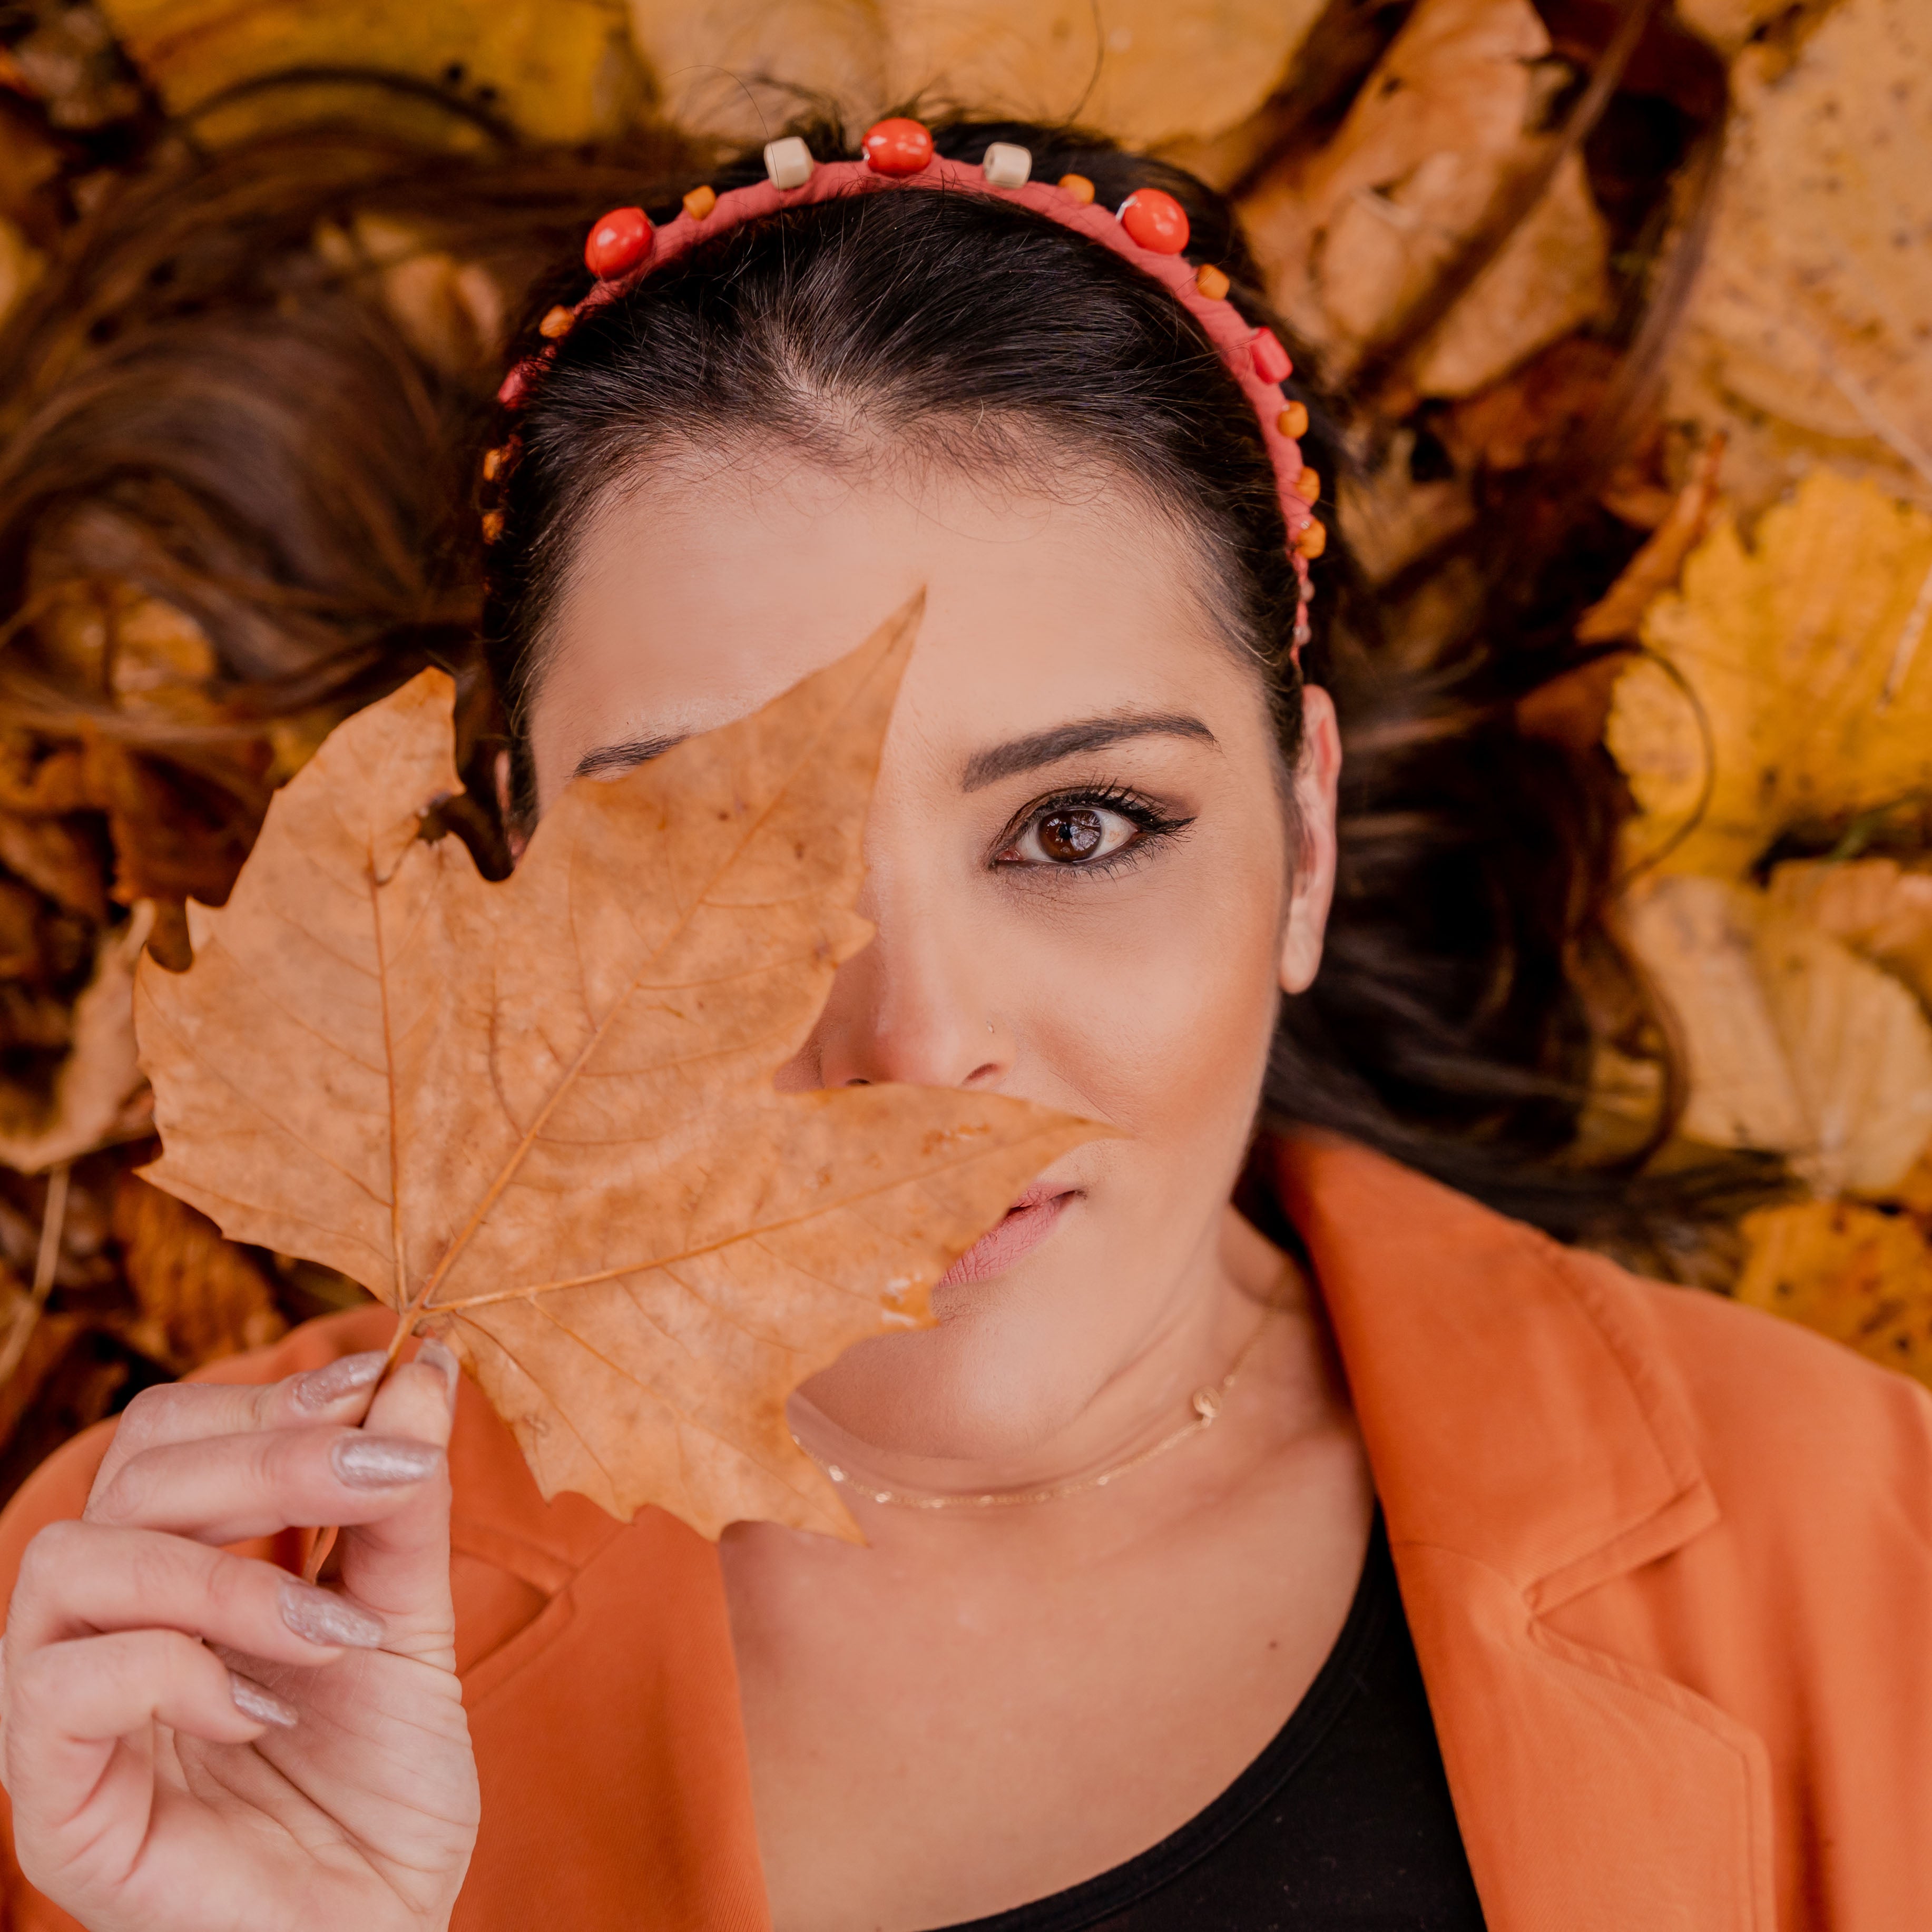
(541, 1117)
(1860, 1276)
(1805, 652)
(560, 70)
(1793, 1043)
(1148, 72)
(1354, 236)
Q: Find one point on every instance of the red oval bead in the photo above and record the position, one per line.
(511, 390)
(898, 146)
(618, 243)
(1270, 359)
(1154, 221)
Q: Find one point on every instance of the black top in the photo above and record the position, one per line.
(1343, 1823)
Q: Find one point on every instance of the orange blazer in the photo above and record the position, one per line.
(1668, 1562)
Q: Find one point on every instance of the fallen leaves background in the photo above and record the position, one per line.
(1643, 287)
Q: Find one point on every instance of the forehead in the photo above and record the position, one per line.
(703, 593)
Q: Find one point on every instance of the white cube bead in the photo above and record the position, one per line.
(1007, 165)
(788, 162)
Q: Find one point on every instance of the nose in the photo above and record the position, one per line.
(913, 1006)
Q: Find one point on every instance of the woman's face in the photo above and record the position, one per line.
(1080, 868)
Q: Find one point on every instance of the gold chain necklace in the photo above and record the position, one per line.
(1206, 1403)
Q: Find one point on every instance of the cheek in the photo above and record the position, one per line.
(1158, 1005)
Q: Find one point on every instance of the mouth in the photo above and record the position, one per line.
(1028, 1221)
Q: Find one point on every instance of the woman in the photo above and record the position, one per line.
(1503, 1589)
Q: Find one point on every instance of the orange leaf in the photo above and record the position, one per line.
(540, 1116)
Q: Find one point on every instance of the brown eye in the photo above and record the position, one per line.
(1071, 834)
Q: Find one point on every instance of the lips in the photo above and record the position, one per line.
(1028, 1221)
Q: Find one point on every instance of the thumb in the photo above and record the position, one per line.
(399, 1567)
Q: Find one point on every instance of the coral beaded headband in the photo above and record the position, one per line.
(1149, 230)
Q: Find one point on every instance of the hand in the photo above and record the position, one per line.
(199, 1742)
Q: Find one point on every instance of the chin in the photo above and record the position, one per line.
(995, 1377)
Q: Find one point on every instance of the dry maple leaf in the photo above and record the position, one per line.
(541, 1118)
(1860, 1276)
(1809, 670)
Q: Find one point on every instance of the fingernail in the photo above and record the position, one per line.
(264, 1706)
(436, 1355)
(323, 1617)
(334, 1380)
(382, 1462)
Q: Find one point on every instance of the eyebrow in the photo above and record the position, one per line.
(1067, 741)
(629, 751)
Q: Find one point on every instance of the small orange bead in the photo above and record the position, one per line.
(700, 202)
(1293, 422)
(1311, 541)
(1308, 486)
(1212, 283)
(493, 525)
(1154, 221)
(557, 321)
(898, 146)
(493, 464)
(620, 240)
(1078, 187)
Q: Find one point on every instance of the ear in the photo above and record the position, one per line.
(514, 835)
(1315, 784)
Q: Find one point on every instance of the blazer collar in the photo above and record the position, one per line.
(1513, 1407)
(1530, 1443)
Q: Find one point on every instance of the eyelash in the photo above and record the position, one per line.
(1155, 827)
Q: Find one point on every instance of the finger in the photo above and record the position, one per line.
(399, 1564)
(81, 1580)
(338, 1392)
(66, 1705)
(224, 1489)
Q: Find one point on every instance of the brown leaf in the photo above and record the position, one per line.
(540, 1116)
(201, 1297)
(97, 1094)
(1354, 237)
(56, 857)
(1655, 568)
(1807, 333)
(36, 779)
(1794, 1043)
(176, 834)
(1862, 1277)
(1875, 906)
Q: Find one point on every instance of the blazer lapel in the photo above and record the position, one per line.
(1529, 1445)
